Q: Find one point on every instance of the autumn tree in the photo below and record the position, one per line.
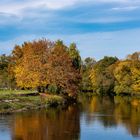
(102, 77)
(43, 64)
(30, 64)
(60, 70)
(127, 75)
(135, 56)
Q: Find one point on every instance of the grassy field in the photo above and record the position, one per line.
(12, 101)
(17, 91)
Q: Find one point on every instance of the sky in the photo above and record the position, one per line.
(98, 27)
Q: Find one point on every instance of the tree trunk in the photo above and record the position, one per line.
(39, 89)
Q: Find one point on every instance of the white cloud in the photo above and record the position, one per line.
(129, 8)
(17, 11)
(16, 7)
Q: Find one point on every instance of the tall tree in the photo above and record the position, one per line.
(5, 77)
(75, 56)
(87, 65)
(60, 70)
(30, 69)
(102, 77)
(127, 75)
(135, 56)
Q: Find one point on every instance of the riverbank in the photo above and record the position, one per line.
(24, 100)
(10, 103)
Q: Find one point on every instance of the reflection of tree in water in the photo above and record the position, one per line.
(47, 125)
(65, 125)
(129, 110)
(102, 110)
(118, 111)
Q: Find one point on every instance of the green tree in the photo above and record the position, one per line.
(102, 77)
(127, 75)
(5, 77)
(87, 65)
(75, 56)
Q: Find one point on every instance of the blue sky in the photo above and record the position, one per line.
(99, 27)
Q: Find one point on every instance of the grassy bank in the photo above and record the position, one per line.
(14, 102)
(16, 91)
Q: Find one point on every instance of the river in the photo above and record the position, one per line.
(96, 118)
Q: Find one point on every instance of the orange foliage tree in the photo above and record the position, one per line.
(30, 64)
(41, 63)
(60, 70)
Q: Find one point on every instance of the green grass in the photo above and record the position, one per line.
(54, 100)
(10, 101)
(13, 103)
(16, 91)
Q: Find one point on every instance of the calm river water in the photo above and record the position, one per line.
(96, 118)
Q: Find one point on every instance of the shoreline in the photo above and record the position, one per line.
(15, 103)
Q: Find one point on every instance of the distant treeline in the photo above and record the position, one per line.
(56, 68)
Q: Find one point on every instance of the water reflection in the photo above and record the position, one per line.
(44, 125)
(112, 112)
(96, 118)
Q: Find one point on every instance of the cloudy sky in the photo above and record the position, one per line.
(99, 27)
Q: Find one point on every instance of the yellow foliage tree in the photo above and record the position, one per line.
(127, 74)
(30, 69)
